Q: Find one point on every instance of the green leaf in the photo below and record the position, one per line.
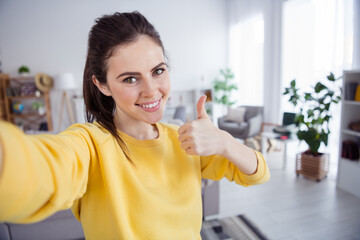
(319, 87)
(331, 77)
(327, 118)
(308, 97)
(324, 137)
(310, 113)
(327, 106)
(314, 146)
(293, 83)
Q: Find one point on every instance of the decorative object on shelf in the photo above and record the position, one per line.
(350, 90)
(24, 70)
(44, 82)
(350, 150)
(65, 82)
(17, 107)
(223, 87)
(39, 107)
(313, 120)
(357, 93)
(28, 89)
(355, 126)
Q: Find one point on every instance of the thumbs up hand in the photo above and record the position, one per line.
(200, 106)
(200, 136)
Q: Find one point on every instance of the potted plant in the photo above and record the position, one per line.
(313, 125)
(24, 70)
(39, 107)
(223, 87)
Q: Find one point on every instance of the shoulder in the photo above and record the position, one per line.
(170, 130)
(94, 131)
(169, 127)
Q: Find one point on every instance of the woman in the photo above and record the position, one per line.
(125, 175)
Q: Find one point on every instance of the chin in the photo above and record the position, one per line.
(153, 119)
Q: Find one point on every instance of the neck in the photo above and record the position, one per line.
(137, 129)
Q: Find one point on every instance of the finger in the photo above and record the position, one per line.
(184, 137)
(186, 145)
(200, 106)
(183, 128)
(191, 151)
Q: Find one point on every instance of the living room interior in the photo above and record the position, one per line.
(259, 47)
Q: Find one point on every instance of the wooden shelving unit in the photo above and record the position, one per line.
(2, 96)
(348, 177)
(23, 91)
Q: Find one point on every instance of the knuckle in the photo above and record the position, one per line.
(191, 126)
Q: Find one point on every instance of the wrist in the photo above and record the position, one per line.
(226, 144)
(243, 157)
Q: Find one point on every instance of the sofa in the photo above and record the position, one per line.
(62, 225)
(242, 122)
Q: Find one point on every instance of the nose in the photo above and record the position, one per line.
(149, 87)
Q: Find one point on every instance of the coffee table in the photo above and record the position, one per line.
(265, 136)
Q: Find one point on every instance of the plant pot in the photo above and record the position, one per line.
(313, 167)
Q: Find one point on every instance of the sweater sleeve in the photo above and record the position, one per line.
(216, 167)
(41, 174)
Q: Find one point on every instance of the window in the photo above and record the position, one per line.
(247, 58)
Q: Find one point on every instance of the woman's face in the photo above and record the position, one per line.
(138, 81)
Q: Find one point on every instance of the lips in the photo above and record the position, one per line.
(150, 106)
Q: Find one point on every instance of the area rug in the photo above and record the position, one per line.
(234, 228)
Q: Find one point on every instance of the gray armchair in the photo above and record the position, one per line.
(250, 127)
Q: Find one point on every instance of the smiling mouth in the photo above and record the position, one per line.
(150, 105)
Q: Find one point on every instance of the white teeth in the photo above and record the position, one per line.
(150, 105)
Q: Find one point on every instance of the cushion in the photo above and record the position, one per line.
(255, 125)
(235, 114)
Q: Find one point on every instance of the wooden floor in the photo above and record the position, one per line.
(289, 208)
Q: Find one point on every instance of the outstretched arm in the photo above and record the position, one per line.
(1, 157)
(201, 137)
(41, 174)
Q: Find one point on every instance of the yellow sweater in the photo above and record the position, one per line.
(84, 168)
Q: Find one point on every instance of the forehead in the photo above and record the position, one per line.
(142, 53)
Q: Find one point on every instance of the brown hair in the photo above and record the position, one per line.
(109, 32)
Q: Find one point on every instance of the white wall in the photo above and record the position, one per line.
(51, 36)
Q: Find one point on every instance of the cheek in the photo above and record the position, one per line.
(166, 86)
(124, 96)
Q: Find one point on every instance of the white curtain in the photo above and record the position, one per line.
(356, 27)
(273, 42)
(254, 53)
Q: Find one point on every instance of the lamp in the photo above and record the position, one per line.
(65, 82)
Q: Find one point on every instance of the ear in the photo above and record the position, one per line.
(102, 87)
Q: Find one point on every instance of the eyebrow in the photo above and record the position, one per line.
(137, 73)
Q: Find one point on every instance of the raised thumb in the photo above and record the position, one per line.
(200, 106)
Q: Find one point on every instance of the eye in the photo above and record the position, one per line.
(130, 80)
(159, 71)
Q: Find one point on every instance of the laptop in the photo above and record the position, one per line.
(288, 126)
